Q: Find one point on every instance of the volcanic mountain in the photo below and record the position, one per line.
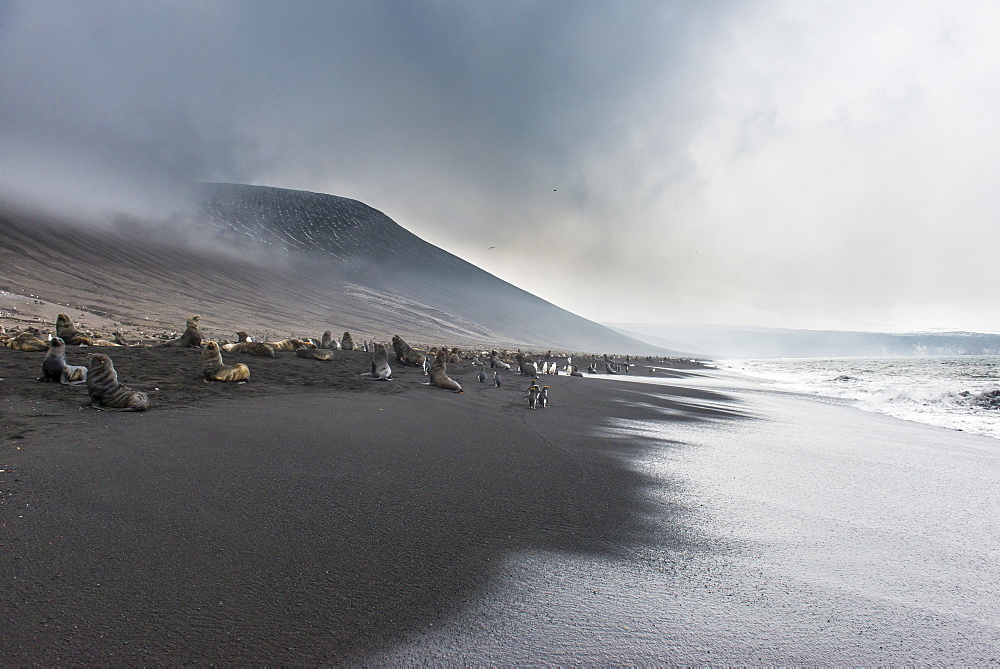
(282, 262)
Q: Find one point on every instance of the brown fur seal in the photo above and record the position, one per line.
(454, 358)
(66, 330)
(406, 355)
(313, 354)
(242, 336)
(347, 342)
(214, 369)
(496, 362)
(191, 336)
(27, 342)
(54, 367)
(289, 344)
(439, 374)
(527, 367)
(380, 363)
(250, 348)
(105, 391)
(120, 338)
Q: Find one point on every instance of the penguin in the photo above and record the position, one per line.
(532, 396)
(496, 379)
(482, 376)
(543, 397)
(427, 366)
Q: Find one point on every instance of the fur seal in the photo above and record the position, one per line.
(439, 374)
(454, 358)
(313, 354)
(406, 355)
(289, 344)
(496, 362)
(66, 330)
(214, 370)
(250, 348)
(328, 341)
(191, 336)
(347, 342)
(54, 367)
(120, 338)
(380, 363)
(106, 393)
(27, 342)
(242, 335)
(527, 367)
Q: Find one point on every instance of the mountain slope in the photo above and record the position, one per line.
(284, 262)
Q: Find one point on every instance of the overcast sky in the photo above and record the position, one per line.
(793, 164)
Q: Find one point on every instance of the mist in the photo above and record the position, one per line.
(819, 165)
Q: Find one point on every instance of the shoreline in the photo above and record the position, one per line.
(400, 524)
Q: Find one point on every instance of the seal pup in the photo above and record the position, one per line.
(27, 342)
(527, 367)
(313, 354)
(120, 338)
(250, 348)
(439, 374)
(191, 336)
(543, 397)
(380, 364)
(347, 342)
(213, 368)
(54, 367)
(106, 394)
(482, 376)
(406, 355)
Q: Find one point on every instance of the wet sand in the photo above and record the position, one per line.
(310, 515)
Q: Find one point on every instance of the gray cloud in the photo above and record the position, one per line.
(823, 165)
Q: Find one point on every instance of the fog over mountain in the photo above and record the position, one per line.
(719, 341)
(290, 262)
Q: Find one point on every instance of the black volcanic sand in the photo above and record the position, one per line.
(310, 515)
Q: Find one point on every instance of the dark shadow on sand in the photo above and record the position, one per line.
(308, 516)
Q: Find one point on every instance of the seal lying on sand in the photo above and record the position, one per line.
(27, 342)
(106, 393)
(454, 358)
(439, 374)
(496, 362)
(191, 336)
(214, 369)
(66, 331)
(527, 367)
(313, 354)
(250, 348)
(406, 355)
(54, 367)
(289, 344)
(380, 363)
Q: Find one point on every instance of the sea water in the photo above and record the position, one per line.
(961, 393)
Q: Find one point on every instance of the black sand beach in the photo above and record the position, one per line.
(311, 515)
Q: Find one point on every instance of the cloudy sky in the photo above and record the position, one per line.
(795, 164)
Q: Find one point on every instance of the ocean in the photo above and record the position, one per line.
(960, 393)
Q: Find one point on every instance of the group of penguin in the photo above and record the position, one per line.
(538, 398)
